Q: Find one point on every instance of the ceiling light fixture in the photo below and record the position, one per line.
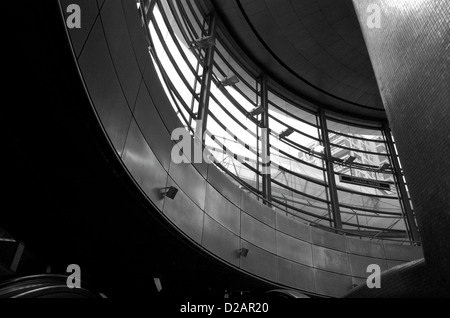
(318, 149)
(229, 81)
(286, 133)
(243, 252)
(349, 160)
(170, 192)
(257, 111)
(204, 42)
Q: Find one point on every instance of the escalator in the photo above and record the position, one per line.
(43, 286)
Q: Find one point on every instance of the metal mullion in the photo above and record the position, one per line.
(216, 100)
(183, 55)
(300, 211)
(299, 147)
(360, 151)
(194, 97)
(182, 26)
(146, 24)
(175, 98)
(172, 89)
(295, 174)
(310, 196)
(196, 18)
(234, 156)
(358, 138)
(189, 27)
(175, 40)
(205, 92)
(188, 22)
(298, 202)
(340, 188)
(344, 205)
(149, 8)
(244, 96)
(239, 180)
(235, 103)
(409, 214)
(171, 58)
(265, 149)
(242, 143)
(388, 217)
(373, 228)
(291, 157)
(235, 87)
(330, 171)
(360, 166)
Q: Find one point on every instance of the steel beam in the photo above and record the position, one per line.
(208, 64)
(330, 172)
(266, 177)
(409, 215)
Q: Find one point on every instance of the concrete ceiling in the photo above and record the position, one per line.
(315, 48)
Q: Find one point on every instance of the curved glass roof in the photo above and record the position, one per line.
(313, 154)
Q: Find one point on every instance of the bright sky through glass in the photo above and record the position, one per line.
(244, 131)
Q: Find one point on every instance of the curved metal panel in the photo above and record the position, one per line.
(143, 165)
(258, 210)
(184, 214)
(365, 248)
(294, 228)
(296, 275)
(190, 181)
(395, 263)
(259, 262)
(202, 168)
(356, 281)
(89, 14)
(100, 3)
(159, 98)
(222, 210)
(359, 265)
(154, 131)
(121, 50)
(330, 284)
(293, 249)
(402, 252)
(220, 241)
(136, 32)
(104, 88)
(331, 260)
(328, 239)
(258, 233)
(224, 185)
